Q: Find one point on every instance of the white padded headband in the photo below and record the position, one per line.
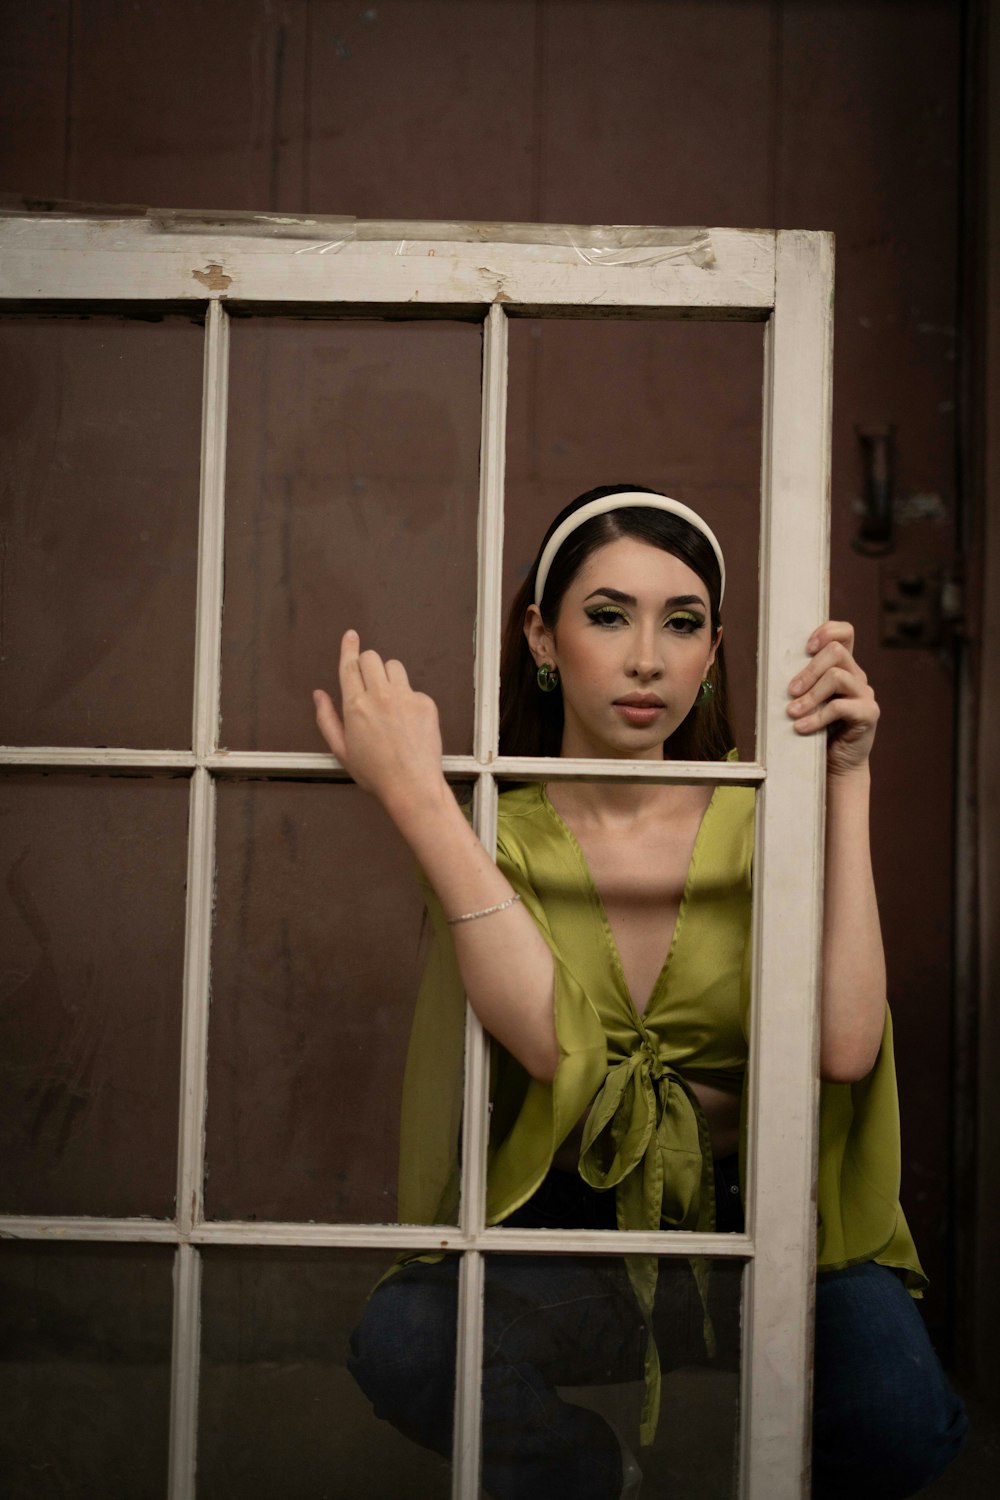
(624, 500)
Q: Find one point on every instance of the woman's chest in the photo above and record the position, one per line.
(641, 884)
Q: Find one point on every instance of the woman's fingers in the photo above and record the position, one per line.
(365, 671)
(832, 668)
(386, 736)
(350, 663)
(833, 693)
(375, 694)
(836, 680)
(372, 671)
(329, 722)
(857, 713)
(830, 632)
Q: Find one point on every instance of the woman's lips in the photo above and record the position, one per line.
(638, 711)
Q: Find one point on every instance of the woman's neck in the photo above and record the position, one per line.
(618, 804)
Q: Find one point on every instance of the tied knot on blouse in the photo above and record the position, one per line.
(646, 1135)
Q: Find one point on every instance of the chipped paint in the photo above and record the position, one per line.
(919, 506)
(214, 277)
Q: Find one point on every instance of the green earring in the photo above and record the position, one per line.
(706, 694)
(547, 678)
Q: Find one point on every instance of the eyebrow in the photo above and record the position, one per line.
(675, 602)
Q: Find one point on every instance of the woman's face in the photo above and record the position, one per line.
(632, 644)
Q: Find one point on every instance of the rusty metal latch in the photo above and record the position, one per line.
(920, 607)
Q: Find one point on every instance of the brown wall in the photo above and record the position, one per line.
(984, 788)
(840, 116)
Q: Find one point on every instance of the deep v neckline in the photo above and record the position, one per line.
(659, 983)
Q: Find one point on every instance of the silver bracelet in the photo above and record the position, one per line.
(487, 911)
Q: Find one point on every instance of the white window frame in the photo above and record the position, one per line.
(493, 272)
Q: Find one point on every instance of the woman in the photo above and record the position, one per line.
(606, 952)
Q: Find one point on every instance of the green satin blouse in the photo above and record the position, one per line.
(645, 1136)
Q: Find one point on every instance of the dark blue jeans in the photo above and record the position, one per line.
(885, 1420)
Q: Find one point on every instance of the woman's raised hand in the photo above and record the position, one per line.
(389, 738)
(833, 693)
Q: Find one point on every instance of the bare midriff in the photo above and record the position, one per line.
(722, 1115)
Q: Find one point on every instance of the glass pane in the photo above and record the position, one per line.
(85, 1374)
(564, 1387)
(281, 1413)
(93, 944)
(675, 407)
(319, 945)
(352, 492)
(99, 511)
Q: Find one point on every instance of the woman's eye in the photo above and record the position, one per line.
(683, 623)
(606, 614)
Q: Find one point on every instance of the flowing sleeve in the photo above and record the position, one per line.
(431, 1113)
(860, 1217)
(528, 1119)
(531, 1119)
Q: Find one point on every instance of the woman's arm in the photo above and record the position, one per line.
(389, 740)
(833, 693)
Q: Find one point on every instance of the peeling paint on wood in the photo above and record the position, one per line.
(214, 277)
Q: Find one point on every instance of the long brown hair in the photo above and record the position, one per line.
(531, 722)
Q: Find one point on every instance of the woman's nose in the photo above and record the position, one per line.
(644, 658)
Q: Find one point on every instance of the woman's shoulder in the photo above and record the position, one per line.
(736, 803)
(526, 825)
(522, 801)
